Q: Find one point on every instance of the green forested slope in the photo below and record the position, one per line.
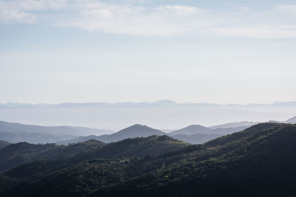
(259, 161)
(20, 153)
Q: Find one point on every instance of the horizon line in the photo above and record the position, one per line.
(162, 101)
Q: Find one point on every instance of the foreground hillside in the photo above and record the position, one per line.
(259, 161)
(50, 158)
(16, 154)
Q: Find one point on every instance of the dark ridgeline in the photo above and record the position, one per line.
(107, 157)
(259, 161)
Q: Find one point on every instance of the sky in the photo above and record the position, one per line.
(216, 51)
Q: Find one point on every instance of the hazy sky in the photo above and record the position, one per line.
(219, 51)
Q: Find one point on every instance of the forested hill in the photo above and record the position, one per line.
(20, 153)
(259, 161)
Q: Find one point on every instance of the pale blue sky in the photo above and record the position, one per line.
(146, 50)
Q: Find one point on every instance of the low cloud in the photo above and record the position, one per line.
(135, 20)
(180, 10)
(291, 9)
(134, 17)
(243, 9)
(13, 15)
(261, 32)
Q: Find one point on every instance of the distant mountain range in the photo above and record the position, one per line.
(133, 131)
(234, 124)
(192, 129)
(194, 134)
(198, 134)
(134, 104)
(15, 132)
(259, 161)
(161, 114)
(199, 129)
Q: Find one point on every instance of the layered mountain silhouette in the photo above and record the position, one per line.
(49, 157)
(133, 131)
(259, 161)
(192, 129)
(198, 134)
(194, 134)
(256, 162)
(15, 132)
(234, 124)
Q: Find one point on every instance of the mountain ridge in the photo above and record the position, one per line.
(192, 129)
(136, 130)
(252, 161)
(17, 132)
(157, 102)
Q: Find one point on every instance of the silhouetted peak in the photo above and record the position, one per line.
(195, 126)
(192, 129)
(165, 102)
(137, 127)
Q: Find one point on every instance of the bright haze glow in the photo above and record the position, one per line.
(219, 51)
